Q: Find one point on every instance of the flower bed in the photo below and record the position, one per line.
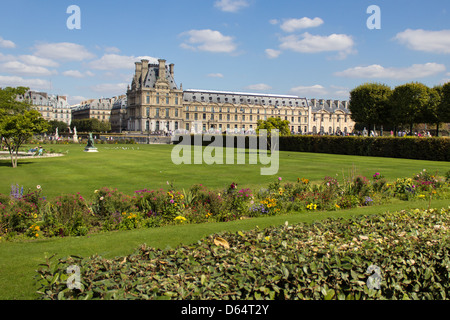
(29, 215)
(395, 255)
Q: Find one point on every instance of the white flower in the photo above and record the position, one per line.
(101, 198)
(38, 186)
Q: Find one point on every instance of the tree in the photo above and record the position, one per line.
(91, 125)
(443, 109)
(18, 121)
(430, 112)
(274, 123)
(61, 125)
(369, 104)
(408, 103)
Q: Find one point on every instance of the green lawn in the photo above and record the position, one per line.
(19, 260)
(133, 167)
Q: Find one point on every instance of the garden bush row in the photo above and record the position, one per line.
(29, 215)
(436, 149)
(406, 253)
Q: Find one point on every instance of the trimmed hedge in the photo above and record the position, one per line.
(330, 259)
(435, 149)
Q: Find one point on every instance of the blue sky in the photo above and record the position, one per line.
(313, 49)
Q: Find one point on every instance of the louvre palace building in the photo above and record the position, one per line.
(155, 104)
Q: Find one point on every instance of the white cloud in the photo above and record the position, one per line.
(110, 88)
(291, 25)
(215, 75)
(313, 43)
(19, 68)
(423, 40)
(38, 61)
(273, 21)
(75, 99)
(259, 87)
(208, 40)
(377, 71)
(305, 91)
(231, 5)
(115, 61)
(77, 74)
(33, 84)
(271, 53)
(65, 51)
(6, 43)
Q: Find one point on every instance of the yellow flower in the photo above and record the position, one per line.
(337, 206)
(35, 215)
(267, 238)
(37, 235)
(180, 218)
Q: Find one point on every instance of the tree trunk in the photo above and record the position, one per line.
(437, 129)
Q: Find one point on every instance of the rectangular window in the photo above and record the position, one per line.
(187, 115)
(157, 112)
(176, 112)
(176, 100)
(167, 112)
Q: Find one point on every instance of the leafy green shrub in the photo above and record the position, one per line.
(407, 147)
(70, 215)
(331, 259)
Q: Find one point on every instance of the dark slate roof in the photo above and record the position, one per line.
(153, 74)
(213, 96)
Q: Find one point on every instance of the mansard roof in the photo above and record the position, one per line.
(330, 106)
(153, 75)
(213, 96)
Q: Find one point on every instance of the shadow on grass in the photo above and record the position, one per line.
(7, 163)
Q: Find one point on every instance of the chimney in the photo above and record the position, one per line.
(162, 69)
(138, 72)
(144, 68)
(171, 69)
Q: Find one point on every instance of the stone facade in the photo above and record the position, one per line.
(156, 104)
(51, 107)
(94, 108)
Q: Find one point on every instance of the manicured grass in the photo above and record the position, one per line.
(133, 167)
(19, 260)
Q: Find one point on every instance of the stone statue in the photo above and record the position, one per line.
(75, 136)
